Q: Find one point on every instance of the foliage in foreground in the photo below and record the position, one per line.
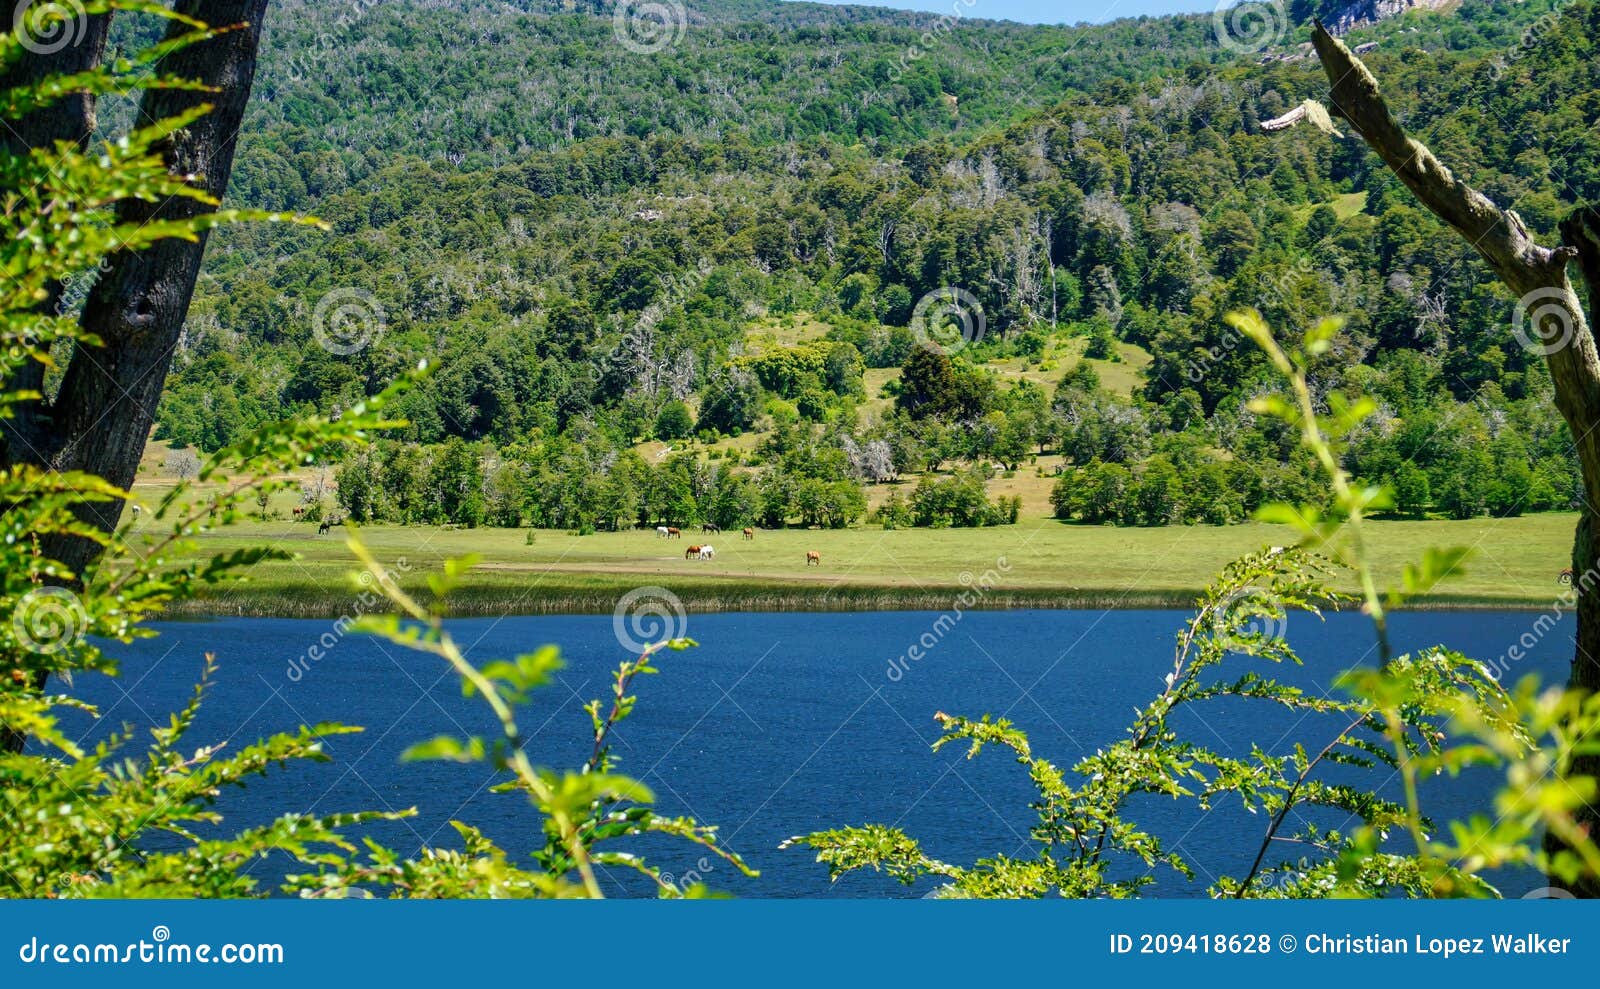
(108, 822)
(1407, 718)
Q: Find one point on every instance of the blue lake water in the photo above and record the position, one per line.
(777, 724)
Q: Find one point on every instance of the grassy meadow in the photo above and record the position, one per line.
(1037, 563)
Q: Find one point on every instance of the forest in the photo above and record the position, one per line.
(604, 273)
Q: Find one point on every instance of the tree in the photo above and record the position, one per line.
(1102, 344)
(673, 422)
(358, 486)
(1411, 492)
(1561, 328)
(733, 401)
(1158, 495)
(1067, 494)
(894, 513)
(842, 370)
(456, 479)
(102, 413)
(927, 383)
(183, 463)
(1014, 440)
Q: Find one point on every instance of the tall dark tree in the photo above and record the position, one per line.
(927, 383)
(101, 416)
(71, 120)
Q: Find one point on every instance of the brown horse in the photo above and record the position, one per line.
(674, 533)
(812, 556)
(691, 552)
(749, 533)
(1565, 577)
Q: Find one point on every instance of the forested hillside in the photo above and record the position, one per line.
(722, 245)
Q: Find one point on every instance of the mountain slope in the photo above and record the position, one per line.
(577, 290)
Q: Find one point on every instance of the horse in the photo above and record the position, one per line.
(707, 553)
(674, 533)
(1565, 577)
(322, 530)
(749, 533)
(692, 552)
(812, 556)
(663, 532)
(299, 510)
(711, 527)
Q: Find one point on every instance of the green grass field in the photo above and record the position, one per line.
(1036, 563)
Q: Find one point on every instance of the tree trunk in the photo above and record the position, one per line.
(101, 417)
(1539, 276)
(1581, 230)
(72, 120)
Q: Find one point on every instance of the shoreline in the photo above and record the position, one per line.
(498, 600)
(1037, 563)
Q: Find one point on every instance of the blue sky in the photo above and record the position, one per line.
(1037, 12)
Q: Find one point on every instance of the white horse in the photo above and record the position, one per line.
(707, 553)
(661, 531)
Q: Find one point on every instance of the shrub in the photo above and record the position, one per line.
(1410, 716)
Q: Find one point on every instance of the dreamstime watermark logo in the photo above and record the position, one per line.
(1276, 291)
(1544, 322)
(930, 39)
(160, 949)
(647, 616)
(46, 28)
(1548, 893)
(976, 588)
(1530, 38)
(691, 878)
(307, 62)
(48, 620)
(1292, 880)
(69, 883)
(1247, 28)
(948, 319)
(648, 27)
(348, 321)
(1247, 617)
(370, 598)
(1544, 624)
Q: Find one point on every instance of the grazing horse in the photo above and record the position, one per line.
(711, 527)
(663, 531)
(322, 530)
(812, 556)
(749, 533)
(1565, 577)
(707, 553)
(674, 533)
(693, 552)
(299, 510)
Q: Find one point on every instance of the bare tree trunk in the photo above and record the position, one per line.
(1581, 230)
(1537, 274)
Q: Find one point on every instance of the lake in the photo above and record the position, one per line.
(778, 724)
